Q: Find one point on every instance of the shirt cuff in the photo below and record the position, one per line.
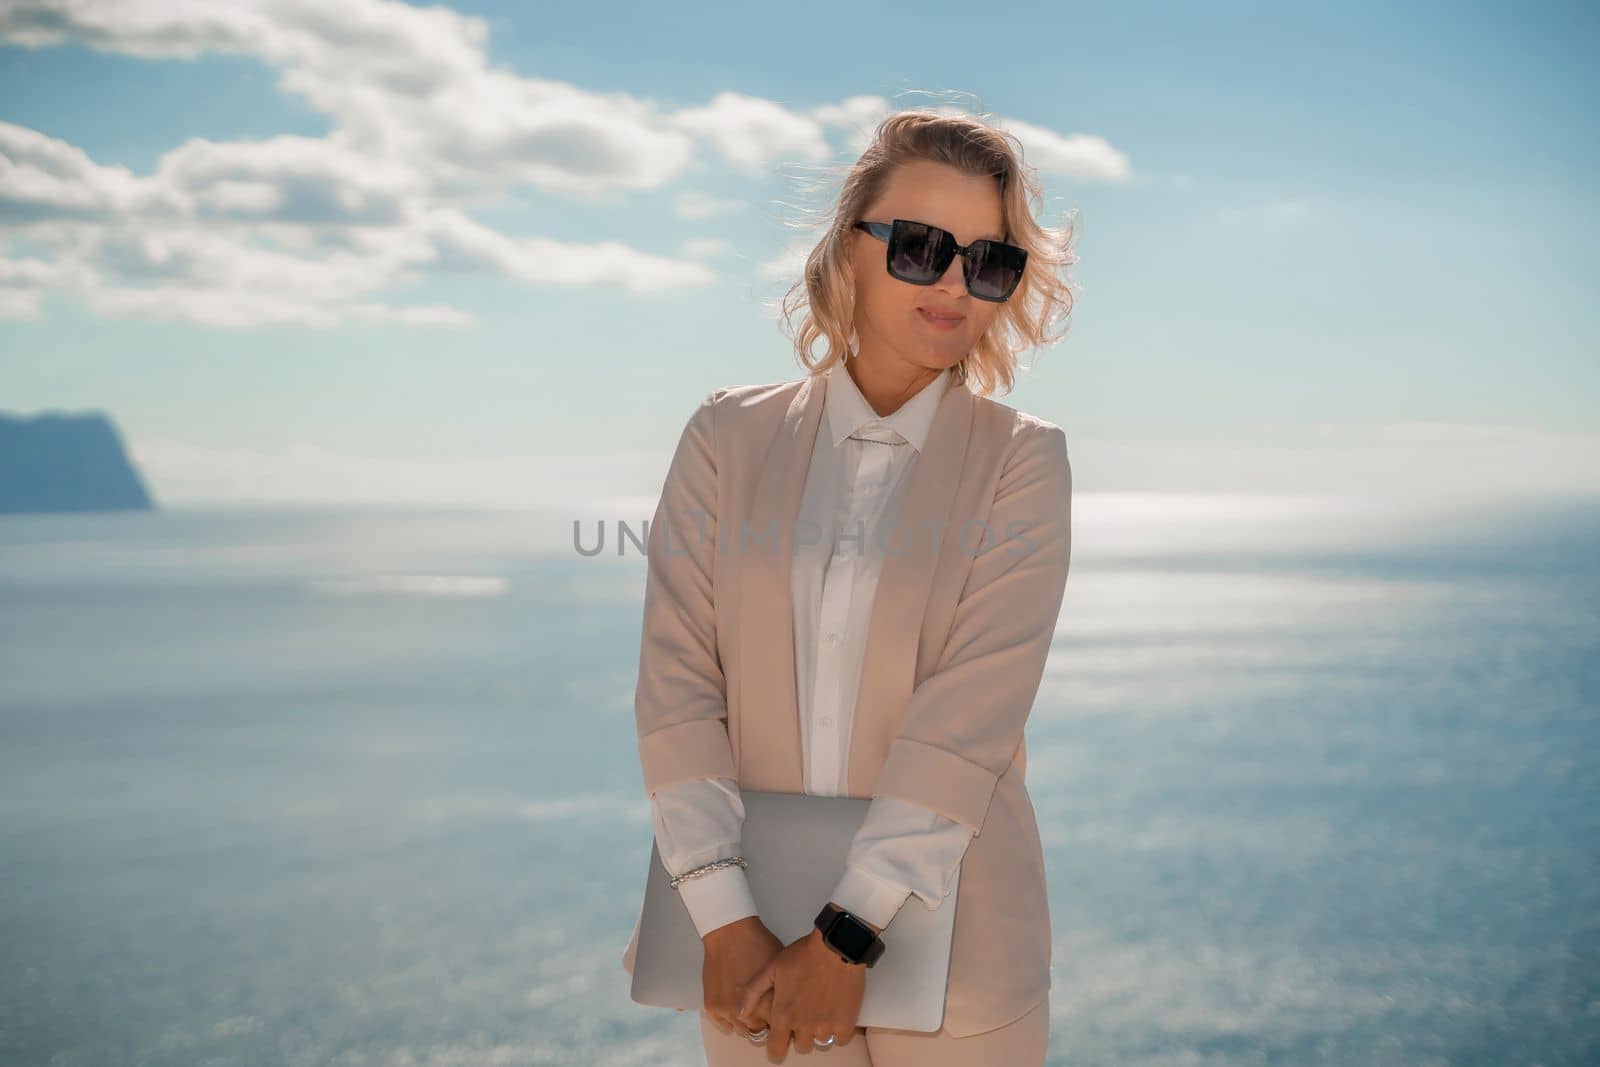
(868, 896)
(718, 898)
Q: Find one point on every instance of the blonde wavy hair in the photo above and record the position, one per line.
(1038, 312)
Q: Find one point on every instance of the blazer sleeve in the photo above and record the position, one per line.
(963, 723)
(680, 703)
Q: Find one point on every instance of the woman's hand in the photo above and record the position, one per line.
(734, 953)
(809, 994)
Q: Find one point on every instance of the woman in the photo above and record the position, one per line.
(891, 646)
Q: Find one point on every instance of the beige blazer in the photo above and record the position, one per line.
(960, 628)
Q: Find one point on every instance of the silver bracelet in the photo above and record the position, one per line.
(707, 868)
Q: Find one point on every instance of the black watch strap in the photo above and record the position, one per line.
(852, 939)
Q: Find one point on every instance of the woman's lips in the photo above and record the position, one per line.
(941, 322)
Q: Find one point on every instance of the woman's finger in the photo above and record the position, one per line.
(757, 1019)
(754, 989)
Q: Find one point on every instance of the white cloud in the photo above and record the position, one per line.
(705, 247)
(694, 205)
(44, 178)
(752, 133)
(288, 179)
(1077, 155)
(786, 265)
(857, 117)
(314, 231)
(464, 243)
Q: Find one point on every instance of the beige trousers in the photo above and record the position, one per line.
(1021, 1043)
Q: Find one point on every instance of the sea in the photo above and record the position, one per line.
(1318, 780)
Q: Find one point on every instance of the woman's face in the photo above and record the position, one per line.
(889, 313)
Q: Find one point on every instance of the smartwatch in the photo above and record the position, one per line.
(847, 935)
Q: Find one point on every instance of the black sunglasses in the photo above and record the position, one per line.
(920, 254)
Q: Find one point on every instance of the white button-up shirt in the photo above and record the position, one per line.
(858, 471)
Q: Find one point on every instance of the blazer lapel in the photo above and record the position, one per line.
(769, 745)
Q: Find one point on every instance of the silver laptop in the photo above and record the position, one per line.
(796, 845)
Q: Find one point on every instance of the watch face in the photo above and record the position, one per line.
(850, 935)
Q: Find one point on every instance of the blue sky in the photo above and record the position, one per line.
(304, 251)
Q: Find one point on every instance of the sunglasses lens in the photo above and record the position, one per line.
(994, 269)
(914, 253)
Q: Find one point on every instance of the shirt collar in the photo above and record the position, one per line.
(848, 411)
